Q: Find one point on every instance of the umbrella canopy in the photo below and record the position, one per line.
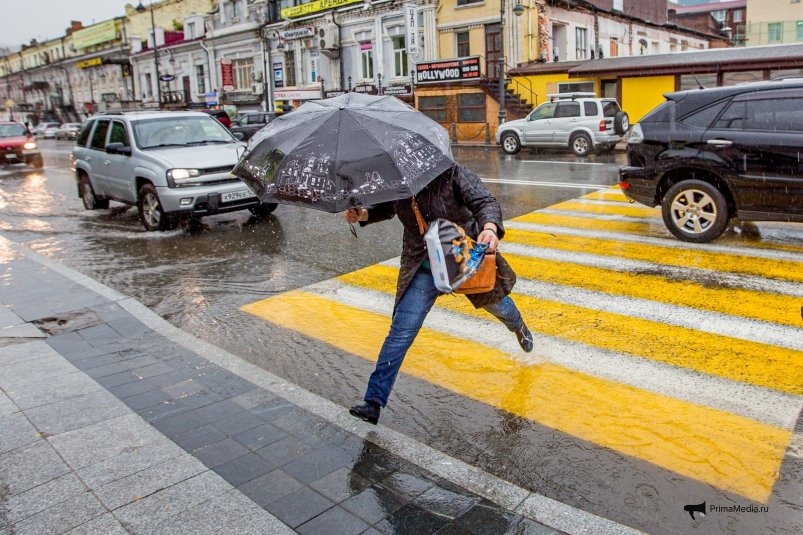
(344, 152)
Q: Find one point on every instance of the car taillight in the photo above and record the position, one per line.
(624, 185)
(602, 125)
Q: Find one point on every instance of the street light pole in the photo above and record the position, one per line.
(141, 9)
(502, 109)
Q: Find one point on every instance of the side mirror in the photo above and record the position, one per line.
(118, 148)
(238, 135)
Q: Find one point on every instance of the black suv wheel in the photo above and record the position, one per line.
(695, 211)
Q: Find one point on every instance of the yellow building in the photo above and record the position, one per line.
(774, 22)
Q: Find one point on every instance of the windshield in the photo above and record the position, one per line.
(180, 132)
(12, 130)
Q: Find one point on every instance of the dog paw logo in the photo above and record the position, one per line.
(699, 508)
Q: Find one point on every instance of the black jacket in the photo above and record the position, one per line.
(457, 195)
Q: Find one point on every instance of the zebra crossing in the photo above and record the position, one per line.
(686, 356)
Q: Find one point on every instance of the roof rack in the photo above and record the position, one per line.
(559, 96)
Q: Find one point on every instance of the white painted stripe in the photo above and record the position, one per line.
(757, 403)
(594, 187)
(722, 279)
(604, 217)
(729, 249)
(737, 327)
(558, 162)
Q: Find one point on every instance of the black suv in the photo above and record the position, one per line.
(709, 155)
(251, 122)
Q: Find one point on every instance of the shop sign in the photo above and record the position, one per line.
(448, 70)
(396, 90)
(227, 74)
(367, 89)
(297, 33)
(315, 7)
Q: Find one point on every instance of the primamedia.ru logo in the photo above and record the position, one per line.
(696, 511)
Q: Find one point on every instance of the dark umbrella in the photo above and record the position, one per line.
(344, 152)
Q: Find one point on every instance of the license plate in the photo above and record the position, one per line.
(236, 195)
(11, 156)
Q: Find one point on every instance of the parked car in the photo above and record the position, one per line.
(251, 122)
(580, 121)
(45, 129)
(68, 131)
(172, 165)
(709, 155)
(17, 145)
(221, 116)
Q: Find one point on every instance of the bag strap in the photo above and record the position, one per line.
(422, 223)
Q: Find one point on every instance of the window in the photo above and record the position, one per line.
(467, 2)
(737, 15)
(200, 80)
(694, 81)
(118, 134)
(99, 136)
(719, 15)
(799, 30)
(774, 32)
(471, 107)
(367, 59)
(463, 46)
(590, 108)
(567, 109)
(148, 86)
(704, 117)
(243, 70)
(232, 9)
(575, 87)
(614, 51)
(581, 35)
(399, 56)
(544, 111)
(189, 30)
(777, 114)
(434, 107)
(290, 67)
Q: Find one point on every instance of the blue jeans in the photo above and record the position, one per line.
(408, 317)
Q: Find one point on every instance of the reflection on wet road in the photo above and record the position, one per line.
(688, 358)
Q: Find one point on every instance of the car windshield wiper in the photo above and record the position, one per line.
(160, 145)
(207, 142)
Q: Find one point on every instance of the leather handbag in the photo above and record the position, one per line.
(483, 280)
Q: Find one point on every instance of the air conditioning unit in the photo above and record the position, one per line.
(329, 41)
(257, 88)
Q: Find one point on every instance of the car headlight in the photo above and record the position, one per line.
(182, 174)
(29, 145)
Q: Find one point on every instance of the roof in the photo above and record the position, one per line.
(737, 58)
(709, 7)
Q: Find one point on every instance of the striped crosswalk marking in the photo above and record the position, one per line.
(688, 357)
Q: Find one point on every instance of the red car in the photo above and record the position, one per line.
(221, 116)
(18, 146)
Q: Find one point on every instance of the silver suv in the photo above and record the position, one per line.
(172, 165)
(579, 121)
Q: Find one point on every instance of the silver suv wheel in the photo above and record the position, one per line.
(150, 210)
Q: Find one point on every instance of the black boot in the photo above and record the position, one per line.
(524, 337)
(368, 411)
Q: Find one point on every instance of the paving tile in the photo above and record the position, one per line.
(243, 469)
(198, 438)
(46, 366)
(238, 423)
(105, 524)
(114, 379)
(411, 520)
(284, 451)
(181, 389)
(99, 332)
(180, 423)
(16, 431)
(147, 399)
(130, 461)
(220, 452)
(454, 529)
(62, 516)
(340, 485)
(374, 503)
(487, 517)
(334, 520)
(7, 406)
(35, 500)
(226, 514)
(260, 436)
(126, 327)
(525, 526)
(272, 486)
(108, 439)
(317, 463)
(270, 410)
(445, 503)
(77, 412)
(29, 466)
(299, 506)
(253, 398)
(130, 389)
(145, 515)
(39, 393)
(408, 485)
(148, 481)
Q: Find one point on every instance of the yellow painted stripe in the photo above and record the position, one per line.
(650, 227)
(762, 306)
(682, 257)
(738, 360)
(629, 210)
(728, 451)
(607, 195)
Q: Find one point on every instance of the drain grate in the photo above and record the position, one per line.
(68, 322)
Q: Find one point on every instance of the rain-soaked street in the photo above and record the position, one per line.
(664, 374)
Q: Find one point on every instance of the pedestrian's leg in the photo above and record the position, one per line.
(408, 317)
(507, 312)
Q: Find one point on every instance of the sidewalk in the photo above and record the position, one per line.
(114, 421)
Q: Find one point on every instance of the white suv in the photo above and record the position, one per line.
(172, 165)
(579, 121)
